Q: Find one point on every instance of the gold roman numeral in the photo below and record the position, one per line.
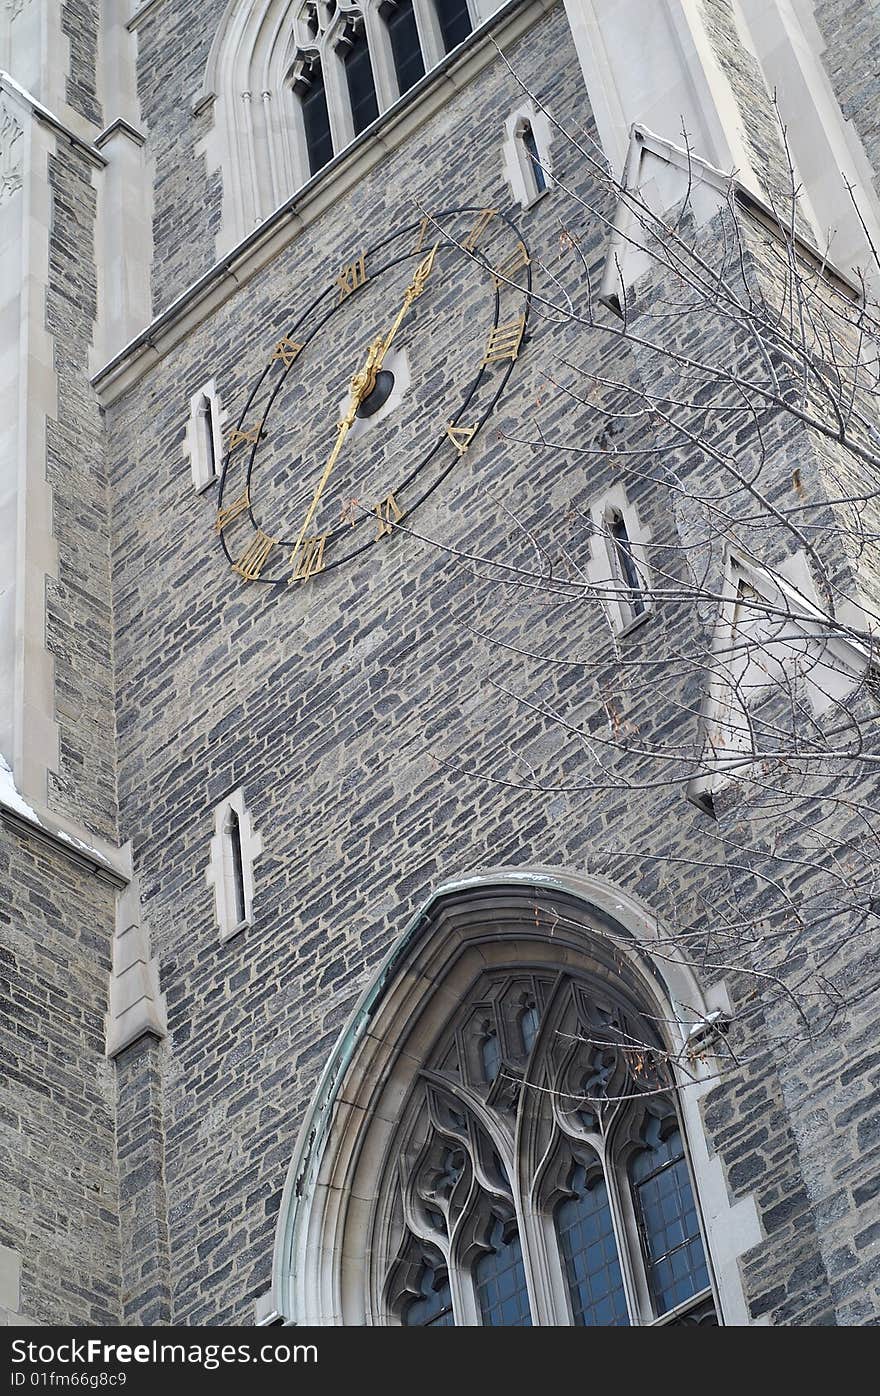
(460, 437)
(387, 512)
(232, 511)
(504, 341)
(479, 229)
(518, 259)
(422, 236)
(237, 436)
(255, 556)
(351, 277)
(308, 558)
(287, 350)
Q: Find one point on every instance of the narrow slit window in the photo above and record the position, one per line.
(626, 563)
(359, 78)
(454, 19)
(239, 903)
(316, 118)
(207, 422)
(534, 167)
(400, 21)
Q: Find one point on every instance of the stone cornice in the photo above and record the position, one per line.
(142, 13)
(323, 191)
(105, 862)
(48, 118)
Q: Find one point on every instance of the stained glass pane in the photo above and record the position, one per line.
(500, 1281)
(674, 1257)
(589, 1251)
(491, 1055)
(434, 1308)
(528, 1026)
(455, 21)
(405, 48)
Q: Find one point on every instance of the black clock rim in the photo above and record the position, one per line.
(330, 292)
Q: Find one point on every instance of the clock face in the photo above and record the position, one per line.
(377, 387)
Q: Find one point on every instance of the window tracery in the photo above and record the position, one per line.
(370, 54)
(538, 1173)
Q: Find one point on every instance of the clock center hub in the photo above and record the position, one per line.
(379, 393)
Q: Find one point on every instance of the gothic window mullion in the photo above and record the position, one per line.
(629, 1249)
(380, 53)
(430, 37)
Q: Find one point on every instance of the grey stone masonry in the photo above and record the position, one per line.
(57, 1090)
(78, 621)
(363, 715)
(173, 44)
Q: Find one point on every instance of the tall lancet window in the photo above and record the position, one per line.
(359, 75)
(455, 22)
(230, 870)
(312, 95)
(406, 51)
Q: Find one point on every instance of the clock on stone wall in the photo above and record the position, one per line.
(375, 388)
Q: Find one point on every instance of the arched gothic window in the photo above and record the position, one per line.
(539, 1173)
(503, 1133)
(351, 64)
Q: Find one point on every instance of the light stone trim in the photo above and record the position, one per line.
(220, 874)
(258, 140)
(603, 569)
(826, 148)
(516, 163)
(324, 191)
(10, 1278)
(322, 1255)
(789, 588)
(195, 445)
(658, 176)
(137, 1007)
(10, 153)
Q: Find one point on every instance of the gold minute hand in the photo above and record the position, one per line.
(361, 386)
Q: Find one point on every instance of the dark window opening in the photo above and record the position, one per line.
(529, 1020)
(627, 563)
(530, 145)
(239, 904)
(454, 20)
(359, 77)
(400, 21)
(208, 429)
(316, 119)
